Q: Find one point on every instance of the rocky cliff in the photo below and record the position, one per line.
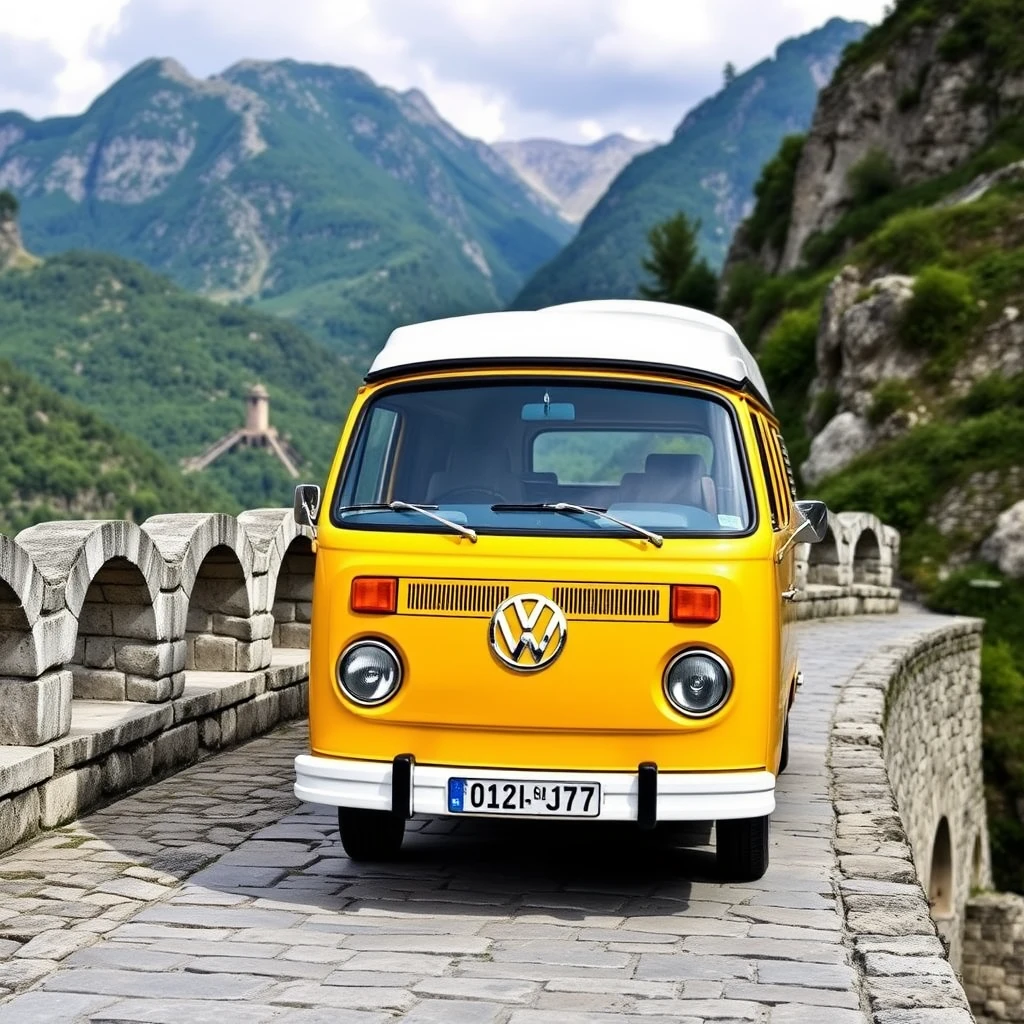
(881, 280)
(910, 104)
(12, 252)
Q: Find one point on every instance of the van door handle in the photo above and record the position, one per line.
(789, 595)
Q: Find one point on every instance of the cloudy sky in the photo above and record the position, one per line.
(572, 69)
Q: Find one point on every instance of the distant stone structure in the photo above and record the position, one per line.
(257, 433)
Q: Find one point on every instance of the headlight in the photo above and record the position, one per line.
(697, 683)
(369, 672)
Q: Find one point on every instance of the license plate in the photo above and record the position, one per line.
(548, 799)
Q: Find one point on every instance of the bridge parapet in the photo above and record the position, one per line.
(851, 572)
(911, 834)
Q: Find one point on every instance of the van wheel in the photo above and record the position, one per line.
(742, 848)
(370, 835)
(784, 756)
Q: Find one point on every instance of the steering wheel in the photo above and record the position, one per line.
(469, 495)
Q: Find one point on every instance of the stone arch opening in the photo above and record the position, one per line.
(823, 560)
(940, 875)
(14, 626)
(867, 558)
(221, 632)
(117, 655)
(293, 597)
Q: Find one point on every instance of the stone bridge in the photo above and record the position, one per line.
(160, 870)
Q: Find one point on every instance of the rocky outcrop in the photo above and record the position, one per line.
(856, 351)
(925, 114)
(1005, 547)
(12, 252)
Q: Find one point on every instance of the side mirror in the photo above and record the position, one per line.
(815, 525)
(306, 506)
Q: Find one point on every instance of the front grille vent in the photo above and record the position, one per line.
(456, 597)
(609, 602)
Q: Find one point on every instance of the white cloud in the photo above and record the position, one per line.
(546, 67)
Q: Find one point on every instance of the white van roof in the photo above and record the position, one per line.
(621, 332)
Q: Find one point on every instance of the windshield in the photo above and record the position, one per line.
(491, 456)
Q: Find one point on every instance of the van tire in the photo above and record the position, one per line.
(784, 756)
(370, 835)
(742, 848)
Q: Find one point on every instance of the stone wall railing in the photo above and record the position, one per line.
(851, 572)
(911, 834)
(129, 651)
(994, 957)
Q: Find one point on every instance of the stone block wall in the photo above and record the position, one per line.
(111, 611)
(993, 961)
(850, 572)
(932, 750)
(911, 834)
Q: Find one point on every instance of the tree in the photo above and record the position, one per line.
(8, 205)
(729, 74)
(679, 277)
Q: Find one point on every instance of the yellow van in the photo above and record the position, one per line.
(554, 562)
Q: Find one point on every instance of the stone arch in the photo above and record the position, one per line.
(122, 650)
(867, 557)
(292, 594)
(222, 633)
(940, 873)
(15, 629)
(823, 559)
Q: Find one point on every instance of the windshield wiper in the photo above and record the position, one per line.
(563, 506)
(405, 506)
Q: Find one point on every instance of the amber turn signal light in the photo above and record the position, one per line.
(375, 594)
(696, 604)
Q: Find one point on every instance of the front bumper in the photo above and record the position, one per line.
(680, 796)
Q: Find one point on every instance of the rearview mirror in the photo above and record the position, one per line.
(815, 525)
(306, 505)
(548, 411)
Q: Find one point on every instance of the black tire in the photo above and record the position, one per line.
(742, 848)
(784, 756)
(370, 835)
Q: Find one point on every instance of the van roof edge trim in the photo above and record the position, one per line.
(683, 374)
(654, 334)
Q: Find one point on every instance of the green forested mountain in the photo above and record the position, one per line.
(60, 461)
(707, 170)
(307, 189)
(891, 339)
(172, 369)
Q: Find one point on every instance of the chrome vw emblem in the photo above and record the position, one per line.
(528, 632)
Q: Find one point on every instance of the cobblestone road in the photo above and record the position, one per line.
(214, 897)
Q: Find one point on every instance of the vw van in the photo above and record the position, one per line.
(555, 567)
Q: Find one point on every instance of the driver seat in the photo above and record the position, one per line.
(477, 469)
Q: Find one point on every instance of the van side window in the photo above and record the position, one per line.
(769, 475)
(790, 478)
(781, 477)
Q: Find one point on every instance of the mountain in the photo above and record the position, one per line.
(60, 461)
(305, 189)
(707, 170)
(172, 369)
(573, 177)
(881, 279)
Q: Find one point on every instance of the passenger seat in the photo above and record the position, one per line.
(676, 479)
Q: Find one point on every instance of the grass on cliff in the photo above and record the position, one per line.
(987, 27)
